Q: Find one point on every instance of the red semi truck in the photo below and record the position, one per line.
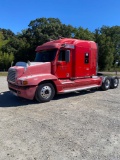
(60, 66)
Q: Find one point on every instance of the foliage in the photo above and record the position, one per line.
(5, 60)
(42, 30)
(2, 40)
(21, 46)
(106, 51)
(84, 34)
(114, 33)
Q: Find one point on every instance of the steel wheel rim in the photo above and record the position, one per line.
(107, 83)
(115, 82)
(46, 92)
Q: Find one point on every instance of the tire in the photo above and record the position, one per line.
(106, 84)
(45, 92)
(114, 82)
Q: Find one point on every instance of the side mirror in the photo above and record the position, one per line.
(67, 55)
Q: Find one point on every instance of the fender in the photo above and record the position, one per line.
(34, 80)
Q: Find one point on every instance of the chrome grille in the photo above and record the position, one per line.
(11, 75)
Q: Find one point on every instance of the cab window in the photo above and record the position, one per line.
(61, 55)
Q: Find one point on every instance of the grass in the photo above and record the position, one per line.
(3, 73)
(110, 73)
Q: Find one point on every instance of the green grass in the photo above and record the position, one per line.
(3, 73)
(110, 73)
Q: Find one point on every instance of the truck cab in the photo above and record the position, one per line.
(60, 66)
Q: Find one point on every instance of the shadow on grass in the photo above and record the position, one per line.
(9, 100)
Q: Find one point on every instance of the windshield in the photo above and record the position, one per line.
(46, 55)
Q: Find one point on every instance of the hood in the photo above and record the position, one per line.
(33, 68)
(38, 68)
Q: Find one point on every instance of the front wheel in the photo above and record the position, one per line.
(45, 92)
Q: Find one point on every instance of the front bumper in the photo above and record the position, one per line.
(27, 92)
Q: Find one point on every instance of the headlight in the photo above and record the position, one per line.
(22, 82)
(19, 82)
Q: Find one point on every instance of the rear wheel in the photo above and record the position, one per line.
(106, 84)
(45, 92)
(114, 82)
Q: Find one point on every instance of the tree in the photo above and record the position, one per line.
(114, 33)
(5, 60)
(42, 30)
(83, 34)
(106, 50)
(22, 46)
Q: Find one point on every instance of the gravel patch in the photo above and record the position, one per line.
(76, 126)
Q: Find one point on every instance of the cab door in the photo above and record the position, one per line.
(63, 64)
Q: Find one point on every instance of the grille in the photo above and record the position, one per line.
(11, 75)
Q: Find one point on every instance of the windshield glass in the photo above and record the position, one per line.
(46, 55)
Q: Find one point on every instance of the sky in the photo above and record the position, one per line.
(91, 14)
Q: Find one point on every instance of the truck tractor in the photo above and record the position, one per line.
(60, 66)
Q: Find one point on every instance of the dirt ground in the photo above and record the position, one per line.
(76, 126)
